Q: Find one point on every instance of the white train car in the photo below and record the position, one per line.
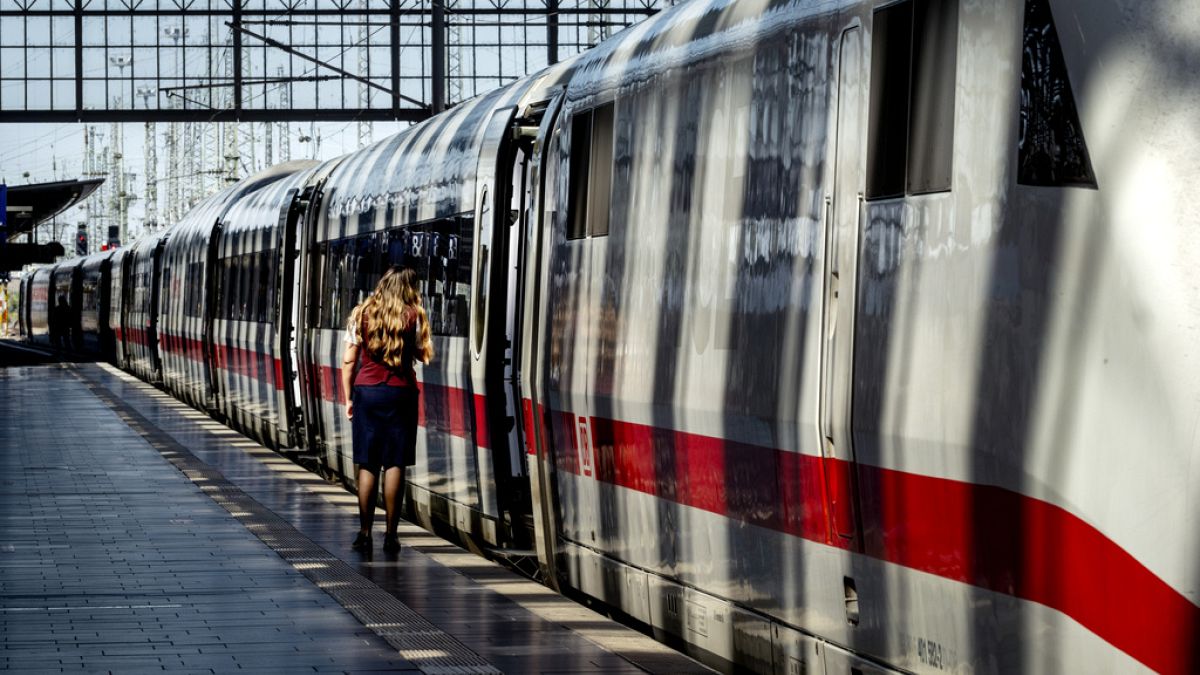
(870, 340)
(66, 293)
(140, 307)
(116, 305)
(817, 336)
(255, 309)
(95, 287)
(415, 200)
(39, 301)
(186, 310)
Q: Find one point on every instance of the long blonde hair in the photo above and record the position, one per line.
(381, 319)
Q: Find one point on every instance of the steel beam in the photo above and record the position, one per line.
(195, 115)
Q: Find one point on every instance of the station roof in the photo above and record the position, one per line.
(29, 205)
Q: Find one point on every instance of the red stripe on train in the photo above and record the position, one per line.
(981, 535)
(250, 363)
(442, 409)
(246, 362)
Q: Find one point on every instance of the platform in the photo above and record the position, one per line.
(136, 534)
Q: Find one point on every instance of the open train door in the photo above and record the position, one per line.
(290, 224)
(490, 326)
(539, 122)
(305, 288)
(843, 210)
(504, 317)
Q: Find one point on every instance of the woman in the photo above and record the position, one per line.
(388, 332)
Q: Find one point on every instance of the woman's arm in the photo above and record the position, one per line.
(349, 361)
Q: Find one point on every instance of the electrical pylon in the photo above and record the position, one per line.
(285, 133)
(150, 166)
(365, 129)
(454, 60)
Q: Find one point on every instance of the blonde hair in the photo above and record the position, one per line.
(380, 319)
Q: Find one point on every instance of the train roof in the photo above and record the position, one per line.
(200, 220)
(260, 209)
(427, 171)
(94, 260)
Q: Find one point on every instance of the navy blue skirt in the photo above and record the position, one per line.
(384, 426)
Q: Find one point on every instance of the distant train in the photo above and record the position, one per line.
(817, 336)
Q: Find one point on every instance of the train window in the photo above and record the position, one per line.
(370, 265)
(1051, 150)
(600, 183)
(315, 303)
(333, 284)
(581, 134)
(483, 246)
(166, 278)
(337, 282)
(591, 172)
(236, 289)
(245, 308)
(911, 124)
(266, 286)
(90, 296)
(229, 287)
(438, 251)
(193, 291)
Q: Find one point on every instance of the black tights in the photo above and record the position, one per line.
(393, 494)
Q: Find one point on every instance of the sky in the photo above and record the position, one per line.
(37, 153)
(135, 60)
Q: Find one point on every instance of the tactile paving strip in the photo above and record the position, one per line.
(420, 642)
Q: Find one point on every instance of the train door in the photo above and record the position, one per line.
(521, 232)
(154, 310)
(490, 345)
(291, 223)
(212, 303)
(104, 294)
(116, 314)
(307, 290)
(843, 210)
(540, 120)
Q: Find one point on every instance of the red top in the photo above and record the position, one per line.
(372, 372)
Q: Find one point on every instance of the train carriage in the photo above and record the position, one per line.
(185, 306)
(94, 305)
(39, 301)
(827, 355)
(116, 305)
(15, 289)
(142, 279)
(183, 318)
(66, 290)
(254, 297)
(820, 336)
(420, 199)
(24, 307)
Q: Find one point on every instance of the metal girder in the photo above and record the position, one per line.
(295, 55)
(344, 73)
(200, 115)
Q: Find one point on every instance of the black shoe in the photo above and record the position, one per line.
(362, 542)
(391, 544)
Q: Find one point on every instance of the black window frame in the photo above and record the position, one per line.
(589, 205)
(914, 60)
(352, 266)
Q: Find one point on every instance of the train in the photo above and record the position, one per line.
(815, 336)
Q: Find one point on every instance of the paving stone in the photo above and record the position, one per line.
(120, 561)
(123, 564)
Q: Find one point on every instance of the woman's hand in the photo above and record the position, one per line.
(349, 362)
